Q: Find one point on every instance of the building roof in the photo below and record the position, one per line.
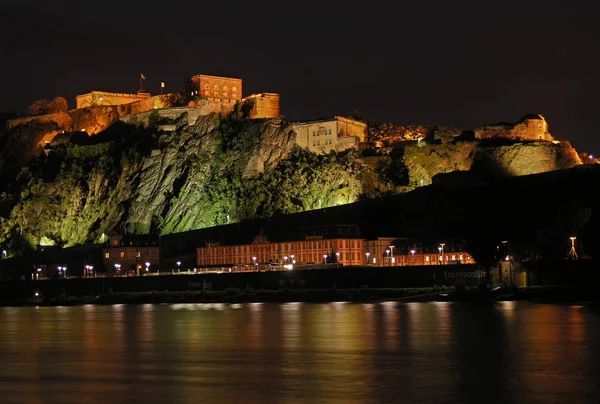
(335, 118)
(215, 77)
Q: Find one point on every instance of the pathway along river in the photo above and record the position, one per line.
(505, 352)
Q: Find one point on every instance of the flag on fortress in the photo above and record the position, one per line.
(142, 76)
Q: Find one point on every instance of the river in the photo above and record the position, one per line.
(505, 352)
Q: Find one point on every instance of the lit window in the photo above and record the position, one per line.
(106, 255)
(427, 258)
(460, 257)
(122, 254)
(454, 258)
(138, 254)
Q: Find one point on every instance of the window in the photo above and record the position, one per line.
(427, 258)
(122, 254)
(314, 133)
(318, 142)
(106, 255)
(460, 257)
(138, 254)
(314, 142)
(330, 131)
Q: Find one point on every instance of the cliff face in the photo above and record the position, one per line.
(490, 160)
(139, 180)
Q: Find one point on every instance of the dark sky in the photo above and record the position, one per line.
(462, 62)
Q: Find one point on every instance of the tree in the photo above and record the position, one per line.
(43, 107)
(40, 107)
(446, 133)
(58, 104)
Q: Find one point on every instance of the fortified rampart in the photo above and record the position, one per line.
(91, 120)
(99, 98)
(266, 105)
(532, 127)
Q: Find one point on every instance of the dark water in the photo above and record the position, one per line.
(300, 353)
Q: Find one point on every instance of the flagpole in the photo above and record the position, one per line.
(141, 85)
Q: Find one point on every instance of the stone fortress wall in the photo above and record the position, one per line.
(98, 98)
(266, 105)
(530, 127)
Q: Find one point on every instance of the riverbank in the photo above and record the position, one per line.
(362, 295)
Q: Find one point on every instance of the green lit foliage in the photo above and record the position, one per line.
(446, 133)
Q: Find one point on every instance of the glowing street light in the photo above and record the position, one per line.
(178, 266)
(442, 251)
(4, 253)
(254, 260)
(292, 256)
(573, 252)
(325, 259)
(118, 268)
(337, 257)
(147, 266)
(285, 259)
(367, 254)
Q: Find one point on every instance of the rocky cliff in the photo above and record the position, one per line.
(139, 180)
(174, 174)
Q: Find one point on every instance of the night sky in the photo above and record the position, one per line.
(467, 63)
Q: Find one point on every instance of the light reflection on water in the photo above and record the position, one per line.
(297, 352)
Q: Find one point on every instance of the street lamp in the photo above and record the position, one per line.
(388, 254)
(118, 268)
(367, 254)
(325, 259)
(285, 259)
(292, 256)
(573, 252)
(147, 266)
(4, 253)
(178, 266)
(254, 260)
(337, 257)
